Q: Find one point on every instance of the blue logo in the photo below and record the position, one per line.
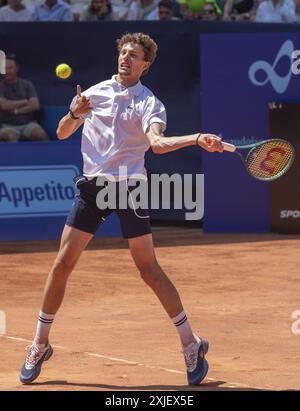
(36, 191)
(279, 84)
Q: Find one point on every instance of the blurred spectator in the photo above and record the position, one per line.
(190, 8)
(31, 4)
(176, 9)
(210, 11)
(276, 11)
(18, 104)
(99, 10)
(238, 9)
(15, 11)
(121, 8)
(143, 10)
(166, 10)
(297, 4)
(53, 10)
(78, 7)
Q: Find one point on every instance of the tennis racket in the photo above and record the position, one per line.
(266, 160)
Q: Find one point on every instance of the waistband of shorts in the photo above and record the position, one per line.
(94, 179)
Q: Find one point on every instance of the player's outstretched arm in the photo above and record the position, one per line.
(161, 144)
(73, 120)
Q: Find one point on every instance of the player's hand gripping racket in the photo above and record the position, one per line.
(266, 160)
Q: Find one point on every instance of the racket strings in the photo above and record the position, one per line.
(270, 159)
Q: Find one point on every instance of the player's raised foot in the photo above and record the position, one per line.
(31, 369)
(197, 365)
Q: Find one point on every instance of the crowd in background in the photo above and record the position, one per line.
(18, 98)
(273, 11)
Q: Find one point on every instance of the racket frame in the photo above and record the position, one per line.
(234, 149)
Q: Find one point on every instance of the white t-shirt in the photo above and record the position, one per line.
(8, 14)
(114, 131)
(120, 7)
(79, 6)
(283, 12)
(31, 4)
(137, 13)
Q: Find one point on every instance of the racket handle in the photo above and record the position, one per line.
(229, 147)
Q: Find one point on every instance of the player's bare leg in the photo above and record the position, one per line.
(143, 254)
(194, 348)
(73, 242)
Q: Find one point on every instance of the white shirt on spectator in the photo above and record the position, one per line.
(121, 7)
(136, 12)
(113, 134)
(31, 4)
(79, 6)
(282, 12)
(8, 14)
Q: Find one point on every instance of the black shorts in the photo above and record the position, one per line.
(86, 216)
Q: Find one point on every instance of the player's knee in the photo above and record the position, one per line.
(62, 268)
(150, 273)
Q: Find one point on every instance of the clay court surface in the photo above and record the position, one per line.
(111, 334)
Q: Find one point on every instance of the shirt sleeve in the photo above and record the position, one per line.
(67, 15)
(288, 12)
(35, 15)
(133, 11)
(154, 112)
(260, 13)
(30, 90)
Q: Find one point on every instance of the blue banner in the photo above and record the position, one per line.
(241, 75)
(37, 190)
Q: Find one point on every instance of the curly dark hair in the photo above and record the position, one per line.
(148, 44)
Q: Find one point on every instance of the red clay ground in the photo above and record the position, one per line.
(238, 290)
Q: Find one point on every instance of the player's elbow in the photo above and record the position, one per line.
(156, 149)
(156, 146)
(61, 133)
(64, 130)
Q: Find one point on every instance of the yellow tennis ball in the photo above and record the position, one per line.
(63, 71)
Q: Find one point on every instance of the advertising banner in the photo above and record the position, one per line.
(285, 192)
(241, 73)
(37, 190)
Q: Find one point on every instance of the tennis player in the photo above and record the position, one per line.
(122, 119)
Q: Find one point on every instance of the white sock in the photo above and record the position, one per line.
(184, 329)
(43, 327)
